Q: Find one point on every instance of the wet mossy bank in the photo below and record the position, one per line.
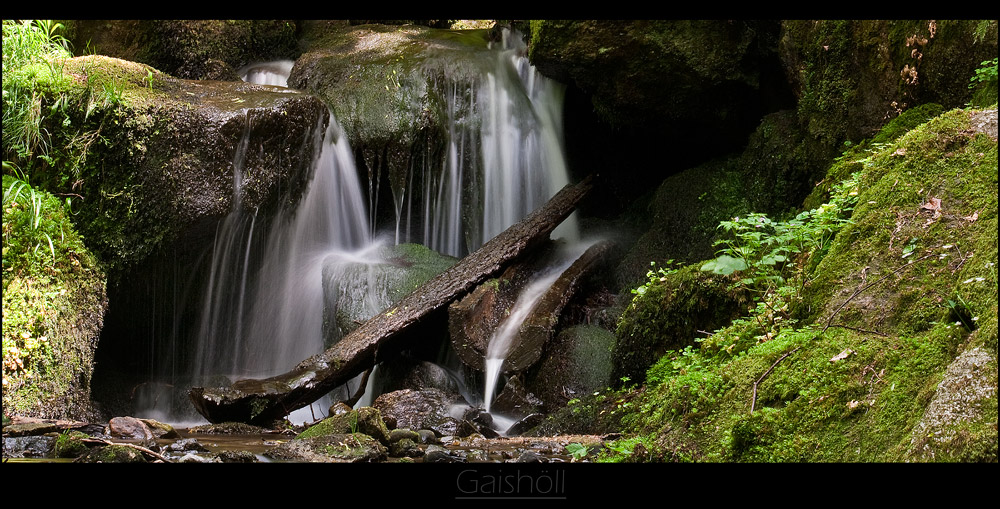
(889, 355)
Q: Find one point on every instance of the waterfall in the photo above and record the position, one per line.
(262, 306)
(503, 156)
(506, 334)
(266, 302)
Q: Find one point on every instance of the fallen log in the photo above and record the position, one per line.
(263, 401)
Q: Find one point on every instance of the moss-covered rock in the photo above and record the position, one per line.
(113, 453)
(332, 448)
(190, 49)
(70, 445)
(366, 420)
(355, 290)
(695, 72)
(577, 362)
(899, 364)
(670, 314)
(53, 307)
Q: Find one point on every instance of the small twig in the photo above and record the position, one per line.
(869, 285)
(132, 446)
(753, 402)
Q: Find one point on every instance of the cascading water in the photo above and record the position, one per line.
(505, 335)
(263, 304)
(503, 159)
(267, 301)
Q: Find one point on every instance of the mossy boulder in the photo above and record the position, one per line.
(189, 49)
(853, 75)
(365, 420)
(357, 288)
(704, 74)
(577, 362)
(158, 153)
(898, 363)
(112, 453)
(70, 445)
(670, 314)
(332, 448)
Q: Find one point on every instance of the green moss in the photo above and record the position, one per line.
(669, 315)
(905, 289)
(54, 299)
(70, 445)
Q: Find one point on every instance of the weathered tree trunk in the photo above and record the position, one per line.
(263, 401)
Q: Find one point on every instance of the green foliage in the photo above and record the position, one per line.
(577, 451)
(45, 265)
(985, 84)
(987, 72)
(768, 256)
(655, 276)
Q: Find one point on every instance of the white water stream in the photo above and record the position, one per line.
(263, 304)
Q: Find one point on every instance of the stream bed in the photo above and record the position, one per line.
(49, 441)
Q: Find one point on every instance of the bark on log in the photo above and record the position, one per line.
(263, 401)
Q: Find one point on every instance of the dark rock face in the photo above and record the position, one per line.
(578, 362)
(702, 73)
(406, 373)
(427, 409)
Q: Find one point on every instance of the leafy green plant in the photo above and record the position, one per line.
(577, 451)
(769, 255)
(655, 276)
(987, 72)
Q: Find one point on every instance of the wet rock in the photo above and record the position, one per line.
(339, 408)
(161, 429)
(427, 409)
(197, 458)
(405, 447)
(335, 448)
(529, 457)
(428, 437)
(29, 427)
(186, 445)
(27, 446)
(237, 457)
(438, 454)
(515, 401)
(524, 424)
(356, 287)
(129, 427)
(578, 362)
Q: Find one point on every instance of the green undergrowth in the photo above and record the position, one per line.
(876, 326)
